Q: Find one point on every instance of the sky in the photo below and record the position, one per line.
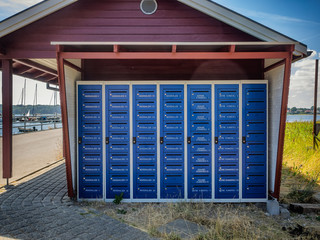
(297, 19)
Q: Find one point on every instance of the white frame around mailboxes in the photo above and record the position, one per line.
(185, 83)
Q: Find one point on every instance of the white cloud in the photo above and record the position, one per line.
(273, 17)
(302, 82)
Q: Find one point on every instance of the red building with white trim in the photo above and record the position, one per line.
(65, 41)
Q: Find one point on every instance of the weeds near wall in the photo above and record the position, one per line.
(223, 221)
(302, 194)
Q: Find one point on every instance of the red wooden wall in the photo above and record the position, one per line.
(173, 69)
(118, 20)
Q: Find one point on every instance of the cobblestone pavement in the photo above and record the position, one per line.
(40, 209)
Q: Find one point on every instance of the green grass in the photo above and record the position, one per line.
(299, 155)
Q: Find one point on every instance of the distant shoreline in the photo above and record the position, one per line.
(318, 114)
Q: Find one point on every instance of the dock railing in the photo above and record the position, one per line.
(32, 126)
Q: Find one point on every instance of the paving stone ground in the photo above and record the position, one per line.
(40, 209)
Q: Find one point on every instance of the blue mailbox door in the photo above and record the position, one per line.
(90, 141)
(254, 127)
(226, 141)
(117, 141)
(199, 141)
(172, 141)
(144, 141)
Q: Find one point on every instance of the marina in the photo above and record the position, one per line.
(40, 123)
(35, 117)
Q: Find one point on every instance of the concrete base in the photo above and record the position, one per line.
(305, 208)
(273, 207)
(284, 213)
(316, 197)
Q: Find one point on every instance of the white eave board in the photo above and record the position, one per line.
(31, 15)
(174, 43)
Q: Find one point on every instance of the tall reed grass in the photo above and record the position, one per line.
(299, 155)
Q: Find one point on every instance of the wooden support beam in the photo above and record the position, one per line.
(37, 66)
(283, 119)
(49, 79)
(22, 70)
(73, 66)
(83, 69)
(232, 48)
(65, 124)
(170, 55)
(115, 48)
(174, 48)
(275, 65)
(2, 51)
(16, 65)
(7, 118)
(38, 74)
(315, 104)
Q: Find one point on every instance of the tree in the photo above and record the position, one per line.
(294, 109)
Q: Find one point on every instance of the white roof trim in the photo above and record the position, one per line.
(240, 22)
(175, 43)
(206, 6)
(31, 15)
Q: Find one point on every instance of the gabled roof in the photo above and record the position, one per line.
(31, 15)
(210, 8)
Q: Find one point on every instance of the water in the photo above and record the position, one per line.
(37, 125)
(301, 118)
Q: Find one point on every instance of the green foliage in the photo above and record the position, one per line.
(301, 194)
(299, 155)
(121, 211)
(294, 109)
(118, 198)
(318, 218)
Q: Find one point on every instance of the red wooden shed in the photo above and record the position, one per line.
(65, 41)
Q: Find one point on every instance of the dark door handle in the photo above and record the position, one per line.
(189, 140)
(79, 140)
(216, 140)
(161, 140)
(244, 140)
(134, 140)
(107, 140)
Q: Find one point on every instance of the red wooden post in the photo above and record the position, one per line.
(315, 105)
(283, 119)
(7, 118)
(64, 114)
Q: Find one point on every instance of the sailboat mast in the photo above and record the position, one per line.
(24, 95)
(35, 99)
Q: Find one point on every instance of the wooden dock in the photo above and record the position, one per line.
(33, 151)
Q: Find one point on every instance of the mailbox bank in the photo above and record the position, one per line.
(158, 141)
